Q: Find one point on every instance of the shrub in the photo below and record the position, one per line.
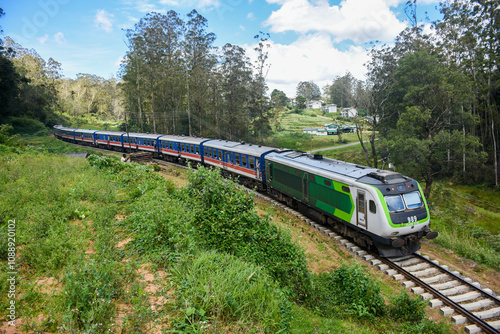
(89, 290)
(227, 289)
(405, 308)
(356, 291)
(226, 220)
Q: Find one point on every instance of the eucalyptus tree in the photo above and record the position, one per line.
(469, 38)
(154, 53)
(260, 106)
(309, 90)
(199, 64)
(341, 91)
(236, 76)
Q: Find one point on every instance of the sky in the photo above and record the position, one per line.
(311, 40)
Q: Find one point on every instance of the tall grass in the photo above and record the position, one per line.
(231, 290)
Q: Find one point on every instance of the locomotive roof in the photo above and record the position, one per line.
(239, 147)
(184, 139)
(326, 167)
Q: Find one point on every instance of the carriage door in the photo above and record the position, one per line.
(361, 209)
(305, 186)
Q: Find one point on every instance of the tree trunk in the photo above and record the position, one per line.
(153, 104)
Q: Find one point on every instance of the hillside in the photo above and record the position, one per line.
(118, 247)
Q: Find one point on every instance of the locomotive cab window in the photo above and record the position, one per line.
(394, 203)
(413, 200)
(372, 206)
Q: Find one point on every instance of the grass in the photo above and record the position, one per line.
(466, 219)
(70, 226)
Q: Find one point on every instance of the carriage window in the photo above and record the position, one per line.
(197, 148)
(372, 206)
(244, 160)
(206, 152)
(252, 162)
(237, 159)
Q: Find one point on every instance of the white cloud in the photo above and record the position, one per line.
(357, 20)
(119, 61)
(43, 39)
(103, 20)
(59, 37)
(250, 16)
(191, 3)
(311, 57)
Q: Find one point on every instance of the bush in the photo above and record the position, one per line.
(226, 220)
(28, 126)
(89, 291)
(405, 308)
(357, 292)
(227, 289)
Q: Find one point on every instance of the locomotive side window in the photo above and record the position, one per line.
(413, 200)
(372, 207)
(394, 203)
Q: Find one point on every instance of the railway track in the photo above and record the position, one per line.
(457, 296)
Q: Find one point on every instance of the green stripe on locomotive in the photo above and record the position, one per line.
(328, 195)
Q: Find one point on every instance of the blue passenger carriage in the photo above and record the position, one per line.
(67, 134)
(86, 137)
(141, 141)
(237, 158)
(180, 147)
(109, 139)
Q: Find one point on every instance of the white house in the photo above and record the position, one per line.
(314, 104)
(349, 112)
(316, 131)
(330, 108)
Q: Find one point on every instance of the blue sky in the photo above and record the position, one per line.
(311, 39)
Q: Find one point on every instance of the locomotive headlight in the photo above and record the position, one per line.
(394, 233)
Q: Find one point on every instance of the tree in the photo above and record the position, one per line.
(200, 61)
(236, 76)
(278, 99)
(469, 39)
(429, 97)
(341, 91)
(309, 90)
(259, 105)
(301, 102)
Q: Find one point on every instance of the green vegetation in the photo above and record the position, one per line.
(466, 219)
(97, 228)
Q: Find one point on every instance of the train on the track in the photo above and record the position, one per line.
(381, 210)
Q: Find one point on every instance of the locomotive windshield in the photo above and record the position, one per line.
(405, 201)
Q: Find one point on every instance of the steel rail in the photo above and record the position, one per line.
(469, 315)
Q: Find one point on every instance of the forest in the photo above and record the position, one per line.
(432, 96)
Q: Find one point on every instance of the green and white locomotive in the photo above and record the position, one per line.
(379, 209)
